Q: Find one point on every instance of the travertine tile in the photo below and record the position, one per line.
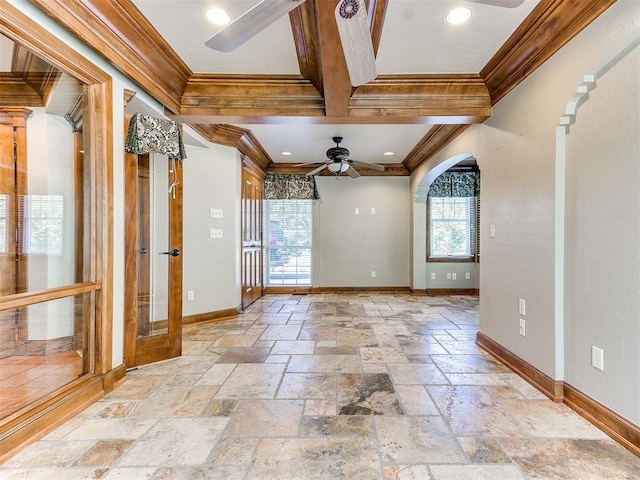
(336, 386)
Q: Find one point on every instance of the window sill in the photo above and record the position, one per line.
(451, 260)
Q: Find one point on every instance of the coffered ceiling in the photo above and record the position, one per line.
(287, 89)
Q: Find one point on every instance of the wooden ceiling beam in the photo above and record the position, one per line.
(305, 38)
(252, 95)
(420, 98)
(336, 83)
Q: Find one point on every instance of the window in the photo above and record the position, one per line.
(452, 228)
(288, 241)
(43, 216)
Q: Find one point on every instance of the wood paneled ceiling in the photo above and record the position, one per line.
(223, 106)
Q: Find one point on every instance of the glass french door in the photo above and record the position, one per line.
(154, 331)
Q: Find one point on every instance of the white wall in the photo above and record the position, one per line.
(602, 301)
(348, 247)
(516, 152)
(212, 179)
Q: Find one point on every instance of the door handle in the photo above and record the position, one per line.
(174, 253)
(143, 251)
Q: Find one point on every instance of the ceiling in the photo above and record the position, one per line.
(288, 88)
(414, 40)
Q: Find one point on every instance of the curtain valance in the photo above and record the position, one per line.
(154, 135)
(456, 184)
(290, 187)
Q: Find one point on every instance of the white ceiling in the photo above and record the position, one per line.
(415, 39)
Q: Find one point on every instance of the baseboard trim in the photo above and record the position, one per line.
(547, 385)
(443, 292)
(34, 422)
(621, 430)
(210, 316)
(114, 378)
(618, 428)
(393, 290)
(287, 290)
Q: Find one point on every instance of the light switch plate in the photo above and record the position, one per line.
(215, 233)
(522, 306)
(216, 213)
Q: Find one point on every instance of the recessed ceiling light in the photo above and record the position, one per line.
(388, 154)
(285, 153)
(217, 16)
(458, 15)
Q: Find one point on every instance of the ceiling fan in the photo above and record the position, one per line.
(351, 20)
(338, 162)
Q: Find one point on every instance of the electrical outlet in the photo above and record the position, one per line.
(373, 274)
(522, 306)
(597, 357)
(433, 276)
(215, 213)
(523, 327)
(191, 295)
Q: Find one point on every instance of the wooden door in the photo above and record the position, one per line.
(153, 252)
(251, 237)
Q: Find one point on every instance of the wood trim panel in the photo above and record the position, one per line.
(38, 74)
(250, 95)
(128, 41)
(621, 430)
(287, 290)
(547, 385)
(441, 292)
(550, 26)
(377, 10)
(45, 45)
(364, 290)
(393, 169)
(28, 298)
(434, 141)
(28, 425)
(434, 98)
(210, 316)
(15, 92)
(305, 38)
(241, 139)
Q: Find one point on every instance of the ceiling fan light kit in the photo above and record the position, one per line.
(338, 162)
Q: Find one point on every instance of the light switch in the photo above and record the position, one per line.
(357, 211)
(373, 210)
(492, 231)
(522, 306)
(215, 233)
(215, 213)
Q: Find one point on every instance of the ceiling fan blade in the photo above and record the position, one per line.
(353, 28)
(250, 23)
(500, 3)
(316, 170)
(352, 172)
(374, 166)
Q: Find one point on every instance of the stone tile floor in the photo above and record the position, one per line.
(328, 387)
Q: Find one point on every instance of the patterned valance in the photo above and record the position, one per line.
(154, 135)
(456, 184)
(290, 187)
